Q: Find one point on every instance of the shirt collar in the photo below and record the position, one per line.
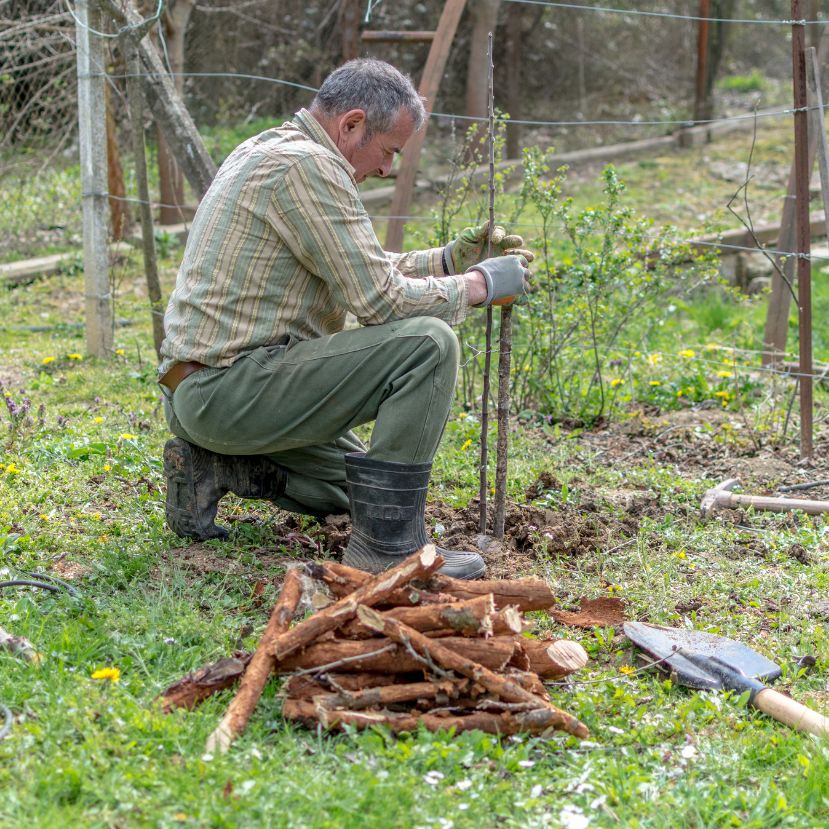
(313, 129)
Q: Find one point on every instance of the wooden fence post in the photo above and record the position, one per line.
(93, 159)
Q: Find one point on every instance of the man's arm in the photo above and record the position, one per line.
(317, 211)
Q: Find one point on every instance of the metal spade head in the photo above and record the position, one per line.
(703, 660)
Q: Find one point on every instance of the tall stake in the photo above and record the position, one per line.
(504, 354)
(488, 347)
(135, 97)
(804, 264)
(93, 155)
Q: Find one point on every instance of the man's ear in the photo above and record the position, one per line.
(352, 122)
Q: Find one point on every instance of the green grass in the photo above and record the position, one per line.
(81, 494)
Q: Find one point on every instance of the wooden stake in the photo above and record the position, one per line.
(817, 127)
(135, 97)
(804, 264)
(484, 483)
(260, 668)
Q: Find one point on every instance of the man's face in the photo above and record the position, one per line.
(372, 157)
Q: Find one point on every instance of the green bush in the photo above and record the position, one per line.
(753, 82)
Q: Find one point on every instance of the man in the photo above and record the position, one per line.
(262, 384)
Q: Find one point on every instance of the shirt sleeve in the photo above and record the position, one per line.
(418, 263)
(316, 210)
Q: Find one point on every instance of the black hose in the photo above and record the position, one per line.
(69, 588)
(27, 583)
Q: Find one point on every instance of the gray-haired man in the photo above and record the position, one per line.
(263, 385)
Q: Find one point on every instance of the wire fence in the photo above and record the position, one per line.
(39, 182)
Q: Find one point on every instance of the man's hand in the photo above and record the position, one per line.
(505, 277)
(470, 247)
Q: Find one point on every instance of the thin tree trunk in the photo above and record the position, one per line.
(118, 212)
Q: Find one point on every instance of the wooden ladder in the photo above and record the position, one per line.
(441, 40)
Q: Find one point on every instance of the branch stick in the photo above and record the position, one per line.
(503, 687)
(260, 668)
(418, 565)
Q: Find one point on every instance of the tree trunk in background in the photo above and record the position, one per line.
(171, 181)
(118, 212)
(484, 19)
(512, 101)
(718, 34)
(348, 23)
(810, 12)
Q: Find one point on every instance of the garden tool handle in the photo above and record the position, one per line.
(792, 713)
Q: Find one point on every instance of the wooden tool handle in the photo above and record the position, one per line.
(766, 502)
(792, 713)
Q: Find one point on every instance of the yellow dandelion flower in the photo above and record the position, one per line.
(112, 674)
(690, 389)
(637, 353)
(12, 469)
(103, 538)
(654, 359)
(96, 516)
(107, 467)
(680, 554)
(723, 394)
(679, 392)
(74, 356)
(463, 415)
(687, 352)
(43, 517)
(120, 352)
(46, 360)
(466, 445)
(655, 383)
(627, 670)
(97, 419)
(725, 374)
(616, 381)
(126, 436)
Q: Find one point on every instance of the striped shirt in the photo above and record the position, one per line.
(281, 246)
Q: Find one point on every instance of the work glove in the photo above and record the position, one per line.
(507, 277)
(471, 247)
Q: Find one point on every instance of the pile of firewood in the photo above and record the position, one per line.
(407, 648)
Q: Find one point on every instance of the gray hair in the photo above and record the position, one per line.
(373, 86)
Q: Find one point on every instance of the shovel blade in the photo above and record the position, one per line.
(707, 654)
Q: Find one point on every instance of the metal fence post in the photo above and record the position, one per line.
(93, 158)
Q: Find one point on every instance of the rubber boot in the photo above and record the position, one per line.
(198, 479)
(388, 501)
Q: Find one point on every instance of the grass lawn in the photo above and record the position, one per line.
(81, 497)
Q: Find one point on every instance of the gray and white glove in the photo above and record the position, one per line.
(507, 277)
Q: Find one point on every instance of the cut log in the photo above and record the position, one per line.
(553, 659)
(197, 686)
(259, 669)
(343, 580)
(377, 588)
(525, 594)
(435, 651)
(444, 691)
(467, 618)
(507, 620)
(304, 686)
(384, 656)
(537, 721)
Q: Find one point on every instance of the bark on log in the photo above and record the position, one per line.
(467, 618)
(553, 660)
(260, 668)
(501, 686)
(507, 620)
(525, 594)
(343, 580)
(384, 656)
(442, 690)
(536, 721)
(304, 686)
(418, 565)
(197, 686)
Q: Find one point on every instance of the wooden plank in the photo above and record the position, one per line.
(27, 270)
(398, 37)
(432, 73)
(818, 126)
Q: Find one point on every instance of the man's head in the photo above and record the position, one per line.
(369, 109)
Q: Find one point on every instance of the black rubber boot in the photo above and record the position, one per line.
(388, 501)
(198, 479)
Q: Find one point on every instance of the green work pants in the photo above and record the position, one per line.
(298, 402)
